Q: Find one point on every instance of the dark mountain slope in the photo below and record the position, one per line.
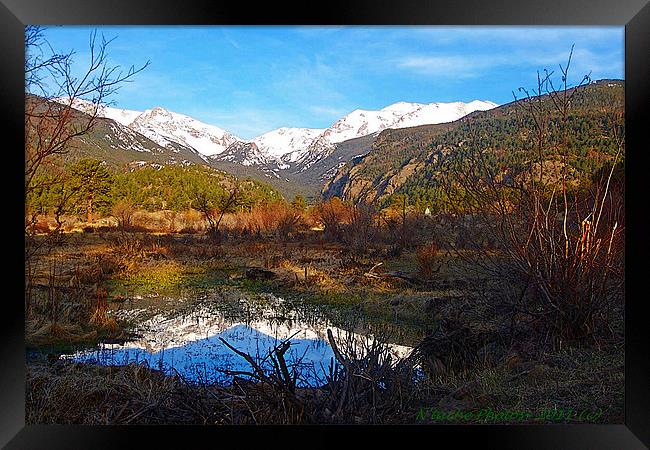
(407, 161)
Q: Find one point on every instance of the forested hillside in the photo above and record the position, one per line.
(149, 187)
(411, 161)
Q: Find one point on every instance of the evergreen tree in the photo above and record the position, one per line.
(91, 183)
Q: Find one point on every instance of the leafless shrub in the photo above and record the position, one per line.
(289, 223)
(356, 226)
(359, 232)
(278, 219)
(100, 317)
(366, 384)
(123, 211)
(333, 214)
(426, 256)
(402, 232)
(561, 247)
(192, 220)
(363, 388)
(214, 209)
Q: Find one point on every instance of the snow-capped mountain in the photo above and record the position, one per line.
(440, 113)
(165, 127)
(283, 148)
(302, 147)
(398, 115)
(287, 141)
(115, 143)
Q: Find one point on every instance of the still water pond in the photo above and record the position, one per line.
(183, 336)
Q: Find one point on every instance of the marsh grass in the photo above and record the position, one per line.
(337, 287)
(366, 387)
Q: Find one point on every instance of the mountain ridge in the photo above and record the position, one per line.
(283, 148)
(408, 161)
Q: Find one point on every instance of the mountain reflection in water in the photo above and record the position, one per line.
(189, 345)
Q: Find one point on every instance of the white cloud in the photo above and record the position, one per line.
(537, 36)
(583, 61)
(451, 65)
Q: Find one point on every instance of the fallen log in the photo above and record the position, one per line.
(370, 272)
(400, 275)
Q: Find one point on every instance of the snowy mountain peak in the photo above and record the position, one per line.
(286, 141)
(482, 103)
(165, 127)
(157, 111)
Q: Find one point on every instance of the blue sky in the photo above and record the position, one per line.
(250, 80)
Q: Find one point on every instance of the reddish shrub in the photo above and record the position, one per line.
(425, 257)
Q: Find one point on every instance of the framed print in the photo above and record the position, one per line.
(367, 218)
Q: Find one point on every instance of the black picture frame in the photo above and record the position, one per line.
(633, 14)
